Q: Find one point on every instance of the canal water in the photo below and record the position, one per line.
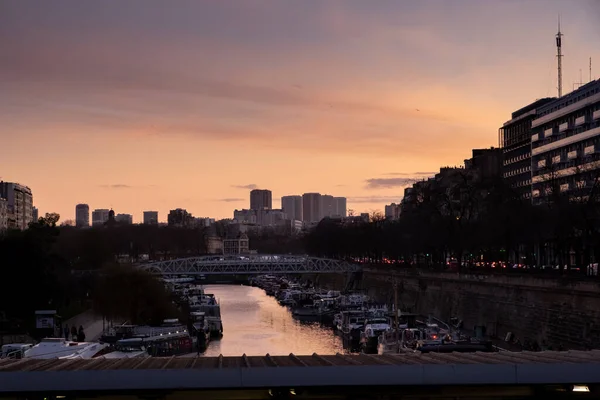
(255, 324)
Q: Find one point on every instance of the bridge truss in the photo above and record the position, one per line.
(254, 264)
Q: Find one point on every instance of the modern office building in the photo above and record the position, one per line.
(340, 206)
(261, 199)
(125, 219)
(515, 141)
(100, 216)
(311, 207)
(565, 145)
(150, 217)
(19, 204)
(292, 206)
(82, 215)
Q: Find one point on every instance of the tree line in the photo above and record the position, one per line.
(471, 220)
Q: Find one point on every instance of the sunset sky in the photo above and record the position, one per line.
(154, 105)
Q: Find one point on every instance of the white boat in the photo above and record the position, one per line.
(56, 348)
(91, 351)
(15, 350)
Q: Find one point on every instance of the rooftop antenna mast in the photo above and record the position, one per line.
(559, 56)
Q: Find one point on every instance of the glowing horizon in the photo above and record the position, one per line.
(148, 105)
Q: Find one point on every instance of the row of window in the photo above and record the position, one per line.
(549, 136)
(570, 99)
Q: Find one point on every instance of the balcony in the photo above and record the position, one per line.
(580, 120)
(548, 132)
(563, 127)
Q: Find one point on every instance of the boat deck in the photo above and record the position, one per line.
(315, 360)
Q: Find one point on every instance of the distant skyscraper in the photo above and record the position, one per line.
(150, 217)
(82, 215)
(328, 208)
(34, 214)
(100, 216)
(392, 211)
(261, 199)
(292, 206)
(311, 207)
(340, 206)
(180, 218)
(19, 204)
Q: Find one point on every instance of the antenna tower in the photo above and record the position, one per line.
(559, 57)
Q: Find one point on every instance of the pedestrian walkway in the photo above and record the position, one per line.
(92, 324)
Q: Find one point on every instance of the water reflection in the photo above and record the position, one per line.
(256, 324)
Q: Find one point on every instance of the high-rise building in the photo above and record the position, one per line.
(515, 141)
(82, 215)
(126, 219)
(392, 211)
(311, 207)
(100, 216)
(565, 145)
(150, 217)
(261, 199)
(3, 214)
(19, 204)
(34, 214)
(245, 216)
(328, 206)
(292, 206)
(340, 206)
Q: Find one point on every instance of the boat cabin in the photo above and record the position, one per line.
(15, 350)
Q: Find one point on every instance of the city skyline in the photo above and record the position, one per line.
(364, 100)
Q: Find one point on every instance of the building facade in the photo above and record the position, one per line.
(340, 206)
(100, 216)
(292, 206)
(261, 199)
(311, 207)
(392, 211)
(126, 219)
(236, 246)
(150, 217)
(245, 216)
(328, 206)
(19, 204)
(180, 218)
(515, 141)
(82, 215)
(35, 215)
(565, 145)
(3, 214)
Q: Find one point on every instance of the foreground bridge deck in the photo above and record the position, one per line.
(202, 373)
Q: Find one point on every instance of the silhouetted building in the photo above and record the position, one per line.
(328, 206)
(565, 146)
(292, 206)
(19, 204)
(150, 217)
(34, 214)
(82, 215)
(340, 206)
(311, 207)
(245, 216)
(126, 219)
(180, 218)
(485, 165)
(515, 141)
(392, 211)
(261, 199)
(100, 216)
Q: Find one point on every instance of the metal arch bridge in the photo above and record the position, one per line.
(254, 264)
